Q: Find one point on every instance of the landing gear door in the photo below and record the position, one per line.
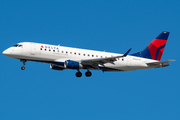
(33, 49)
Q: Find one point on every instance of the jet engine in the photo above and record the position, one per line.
(56, 67)
(72, 64)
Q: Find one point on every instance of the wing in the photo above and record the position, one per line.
(95, 62)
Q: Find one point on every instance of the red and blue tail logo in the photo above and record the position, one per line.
(155, 49)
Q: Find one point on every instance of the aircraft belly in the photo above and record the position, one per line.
(126, 65)
(137, 65)
(116, 66)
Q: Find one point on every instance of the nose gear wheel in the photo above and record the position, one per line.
(23, 67)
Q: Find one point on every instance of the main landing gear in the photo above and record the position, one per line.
(23, 67)
(79, 74)
(88, 74)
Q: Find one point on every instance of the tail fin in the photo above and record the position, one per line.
(155, 49)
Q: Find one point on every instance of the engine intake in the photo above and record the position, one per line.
(71, 64)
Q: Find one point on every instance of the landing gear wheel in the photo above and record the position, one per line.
(22, 68)
(78, 74)
(88, 74)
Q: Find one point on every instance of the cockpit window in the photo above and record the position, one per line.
(17, 45)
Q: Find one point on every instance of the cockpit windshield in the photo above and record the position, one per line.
(17, 45)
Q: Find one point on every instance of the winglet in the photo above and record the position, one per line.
(127, 53)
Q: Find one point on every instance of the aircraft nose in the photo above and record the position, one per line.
(6, 52)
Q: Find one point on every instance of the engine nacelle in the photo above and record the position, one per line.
(72, 64)
(56, 67)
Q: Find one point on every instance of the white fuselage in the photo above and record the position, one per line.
(58, 54)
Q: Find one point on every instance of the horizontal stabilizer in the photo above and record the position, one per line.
(160, 63)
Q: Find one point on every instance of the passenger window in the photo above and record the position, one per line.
(45, 49)
(70, 52)
(53, 50)
(49, 49)
(66, 51)
(75, 53)
(62, 51)
(92, 55)
(88, 54)
(84, 54)
(79, 53)
(40, 48)
(96, 55)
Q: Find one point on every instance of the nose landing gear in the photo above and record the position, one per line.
(23, 67)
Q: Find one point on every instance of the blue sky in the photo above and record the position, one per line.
(113, 26)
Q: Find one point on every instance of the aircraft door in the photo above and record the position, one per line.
(33, 48)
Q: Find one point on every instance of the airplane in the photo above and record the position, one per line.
(61, 58)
